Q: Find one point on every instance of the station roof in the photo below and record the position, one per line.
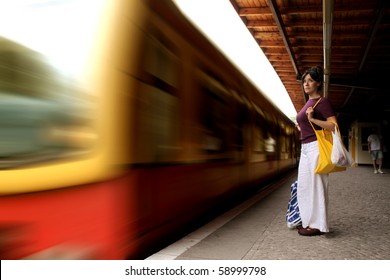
(350, 39)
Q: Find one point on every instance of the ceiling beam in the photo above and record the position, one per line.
(253, 11)
(373, 31)
(283, 33)
(358, 84)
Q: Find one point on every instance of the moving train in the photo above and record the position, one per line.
(120, 124)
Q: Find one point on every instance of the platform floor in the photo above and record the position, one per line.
(359, 206)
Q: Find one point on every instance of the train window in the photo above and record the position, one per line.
(42, 116)
(160, 63)
(283, 138)
(258, 134)
(213, 114)
(287, 141)
(46, 113)
(157, 126)
(240, 123)
(262, 137)
(157, 107)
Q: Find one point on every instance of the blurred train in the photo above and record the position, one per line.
(147, 128)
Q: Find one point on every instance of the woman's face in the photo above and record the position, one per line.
(310, 86)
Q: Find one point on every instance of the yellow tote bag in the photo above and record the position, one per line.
(325, 144)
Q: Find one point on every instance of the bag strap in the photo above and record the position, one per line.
(336, 126)
(318, 101)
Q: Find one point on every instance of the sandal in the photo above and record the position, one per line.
(309, 231)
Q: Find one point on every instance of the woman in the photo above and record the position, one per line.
(312, 192)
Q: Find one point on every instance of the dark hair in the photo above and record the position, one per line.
(317, 74)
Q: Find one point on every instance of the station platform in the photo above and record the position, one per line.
(359, 220)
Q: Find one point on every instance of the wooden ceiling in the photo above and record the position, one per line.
(350, 39)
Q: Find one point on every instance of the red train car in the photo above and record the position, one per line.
(123, 130)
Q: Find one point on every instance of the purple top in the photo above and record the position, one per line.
(322, 111)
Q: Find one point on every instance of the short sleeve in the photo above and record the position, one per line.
(324, 109)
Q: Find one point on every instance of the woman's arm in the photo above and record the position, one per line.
(328, 124)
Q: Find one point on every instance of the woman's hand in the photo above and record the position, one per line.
(309, 113)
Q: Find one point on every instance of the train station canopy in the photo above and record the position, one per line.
(350, 39)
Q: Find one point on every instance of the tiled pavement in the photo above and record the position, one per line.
(359, 206)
